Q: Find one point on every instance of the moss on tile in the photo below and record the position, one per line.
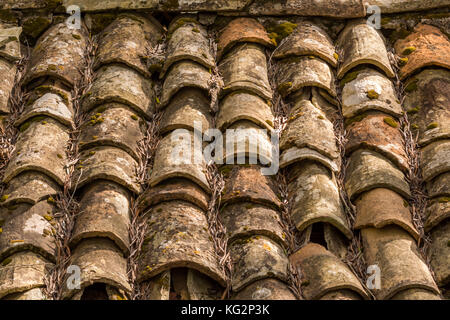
(413, 110)
(432, 125)
(403, 61)
(410, 87)
(349, 77)
(372, 94)
(391, 122)
(279, 31)
(408, 50)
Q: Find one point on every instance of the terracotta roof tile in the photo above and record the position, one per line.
(242, 30)
(324, 273)
(363, 44)
(427, 46)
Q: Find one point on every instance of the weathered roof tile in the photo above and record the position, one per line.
(383, 247)
(178, 236)
(189, 41)
(59, 53)
(41, 146)
(363, 44)
(323, 272)
(106, 163)
(241, 30)
(115, 125)
(244, 67)
(28, 228)
(24, 271)
(128, 40)
(367, 89)
(298, 72)
(368, 170)
(244, 219)
(256, 258)
(314, 197)
(375, 132)
(307, 39)
(104, 212)
(427, 46)
(100, 261)
(380, 207)
(118, 83)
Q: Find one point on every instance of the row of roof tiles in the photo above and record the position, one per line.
(333, 8)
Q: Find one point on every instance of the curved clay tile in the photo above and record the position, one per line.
(174, 189)
(426, 46)
(294, 154)
(245, 68)
(106, 163)
(428, 104)
(10, 48)
(128, 40)
(51, 105)
(178, 236)
(440, 253)
(118, 83)
(22, 271)
(8, 72)
(265, 289)
(383, 247)
(100, 261)
(257, 258)
(245, 219)
(308, 39)
(59, 53)
(439, 186)
(32, 294)
(242, 30)
(367, 89)
(187, 107)
(416, 294)
(176, 157)
(104, 212)
(309, 127)
(437, 211)
(188, 42)
(435, 159)
(368, 170)
(245, 139)
(29, 228)
(363, 44)
(115, 125)
(324, 273)
(29, 187)
(41, 147)
(248, 184)
(380, 207)
(375, 132)
(299, 72)
(314, 197)
(330, 8)
(184, 74)
(238, 106)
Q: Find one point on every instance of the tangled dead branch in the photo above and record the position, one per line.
(293, 237)
(66, 202)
